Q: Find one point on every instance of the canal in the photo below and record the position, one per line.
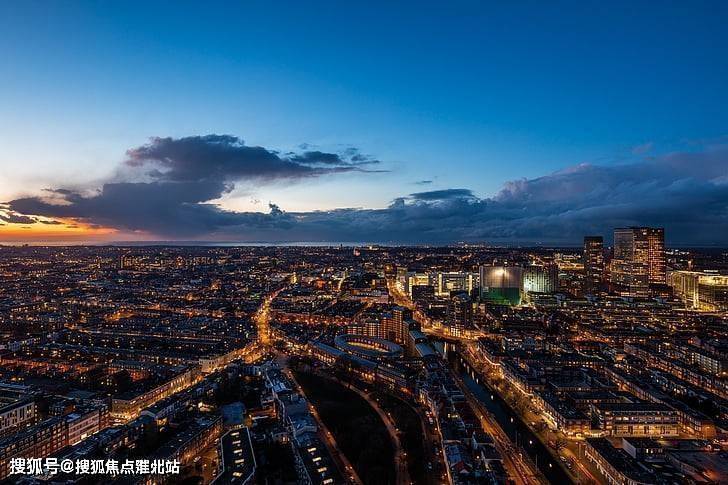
(518, 432)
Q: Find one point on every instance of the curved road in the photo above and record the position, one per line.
(400, 457)
(345, 467)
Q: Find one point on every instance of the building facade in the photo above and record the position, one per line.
(540, 278)
(639, 260)
(501, 284)
(448, 283)
(593, 264)
(701, 291)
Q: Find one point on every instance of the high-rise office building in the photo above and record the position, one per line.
(639, 259)
(656, 254)
(593, 264)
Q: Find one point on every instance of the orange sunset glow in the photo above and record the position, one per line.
(59, 230)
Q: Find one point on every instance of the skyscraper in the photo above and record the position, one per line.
(656, 254)
(639, 259)
(593, 263)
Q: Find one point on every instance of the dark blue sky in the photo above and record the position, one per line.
(458, 95)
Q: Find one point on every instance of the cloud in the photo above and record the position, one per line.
(351, 158)
(228, 158)
(165, 187)
(434, 195)
(686, 192)
(12, 217)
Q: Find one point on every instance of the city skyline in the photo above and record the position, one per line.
(377, 243)
(458, 128)
(460, 365)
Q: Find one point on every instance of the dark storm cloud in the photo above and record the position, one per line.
(170, 209)
(685, 192)
(226, 157)
(168, 183)
(317, 158)
(350, 159)
(442, 194)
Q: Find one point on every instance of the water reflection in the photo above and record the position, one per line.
(520, 435)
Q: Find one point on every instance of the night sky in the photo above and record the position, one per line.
(375, 122)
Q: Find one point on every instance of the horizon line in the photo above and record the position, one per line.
(352, 244)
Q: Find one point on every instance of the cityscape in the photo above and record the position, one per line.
(366, 364)
(363, 243)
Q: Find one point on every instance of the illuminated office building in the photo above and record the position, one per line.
(501, 284)
(656, 254)
(417, 279)
(455, 282)
(593, 264)
(639, 260)
(701, 291)
(540, 278)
